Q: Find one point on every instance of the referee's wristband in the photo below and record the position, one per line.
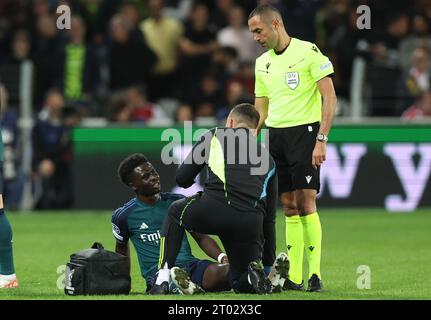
(221, 256)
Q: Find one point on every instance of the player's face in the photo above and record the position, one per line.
(263, 34)
(145, 180)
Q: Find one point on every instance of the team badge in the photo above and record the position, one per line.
(292, 79)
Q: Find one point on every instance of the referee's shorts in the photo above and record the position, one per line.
(241, 232)
(292, 150)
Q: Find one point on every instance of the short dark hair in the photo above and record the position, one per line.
(246, 113)
(264, 11)
(126, 167)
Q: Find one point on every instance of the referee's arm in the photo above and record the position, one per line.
(269, 222)
(261, 104)
(326, 89)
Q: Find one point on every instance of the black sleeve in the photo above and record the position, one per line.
(195, 161)
(269, 222)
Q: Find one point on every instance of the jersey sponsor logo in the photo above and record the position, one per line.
(292, 79)
(116, 231)
(308, 178)
(152, 237)
(325, 66)
(143, 226)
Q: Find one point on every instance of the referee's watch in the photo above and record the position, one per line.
(322, 137)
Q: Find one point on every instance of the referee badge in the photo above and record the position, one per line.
(292, 79)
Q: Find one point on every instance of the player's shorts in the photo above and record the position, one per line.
(241, 232)
(292, 150)
(195, 268)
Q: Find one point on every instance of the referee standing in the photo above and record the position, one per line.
(296, 100)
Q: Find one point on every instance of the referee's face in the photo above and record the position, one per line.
(263, 34)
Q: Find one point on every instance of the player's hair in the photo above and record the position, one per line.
(126, 167)
(246, 113)
(267, 13)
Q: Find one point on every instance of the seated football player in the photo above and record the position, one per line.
(141, 220)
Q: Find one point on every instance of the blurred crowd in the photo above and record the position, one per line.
(174, 60)
(161, 62)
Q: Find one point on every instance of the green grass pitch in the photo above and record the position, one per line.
(395, 247)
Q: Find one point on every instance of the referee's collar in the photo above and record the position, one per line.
(279, 53)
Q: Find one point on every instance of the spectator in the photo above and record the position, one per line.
(52, 155)
(385, 68)
(79, 72)
(384, 45)
(162, 34)
(343, 50)
(183, 113)
(141, 109)
(419, 37)
(208, 98)
(219, 17)
(119, 110)
(245, 76)
(21, 47)
(225, 61)
(238, 36)
(333, 23)
(419, 74)
(129, 12)
(235, 94)
(416, 80)
(9, 126)
(130, 59)
(46, 56)
(420, 110)
(196, 47)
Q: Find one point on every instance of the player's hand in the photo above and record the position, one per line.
(319, 154)
(225, 260)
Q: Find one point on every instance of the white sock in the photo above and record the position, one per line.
(163, 275)
(8, 277)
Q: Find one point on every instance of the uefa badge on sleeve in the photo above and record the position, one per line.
(292, 79)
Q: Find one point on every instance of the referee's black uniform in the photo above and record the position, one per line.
(238, 203)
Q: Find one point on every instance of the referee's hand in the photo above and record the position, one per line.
(319, 154)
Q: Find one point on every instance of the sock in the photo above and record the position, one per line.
(267, 269)
(313, 242)
(6, 256)
(295, 247)
(163, 274)
(172, 236)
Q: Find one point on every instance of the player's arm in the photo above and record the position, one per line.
(194, 162)
(121, 234)
(269, 222)
(209, 246)
(261, 104)
(326, 89)
(123, 249)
